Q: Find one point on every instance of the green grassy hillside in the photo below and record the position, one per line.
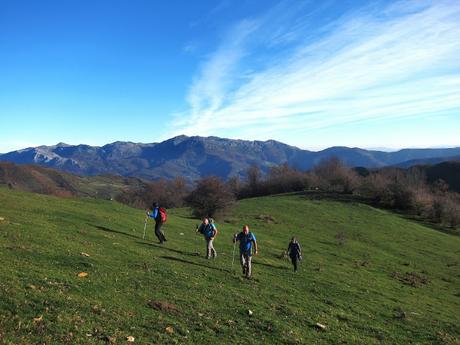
(369, 276)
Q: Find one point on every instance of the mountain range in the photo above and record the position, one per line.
(196, 157)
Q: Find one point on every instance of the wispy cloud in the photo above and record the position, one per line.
(281, 72)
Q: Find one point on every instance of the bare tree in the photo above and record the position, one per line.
(211, 196)
(254, 176)
(235, 185)
(282, 179)
(168, 193)
(335, 176)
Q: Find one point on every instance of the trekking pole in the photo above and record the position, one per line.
(145, 226)
(233, 255)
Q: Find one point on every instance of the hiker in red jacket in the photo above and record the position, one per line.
(156, 213)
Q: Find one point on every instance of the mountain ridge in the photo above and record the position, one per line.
(195, 157)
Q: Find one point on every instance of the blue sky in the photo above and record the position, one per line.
(312, 74)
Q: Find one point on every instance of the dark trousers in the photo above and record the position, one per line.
(161, 237)
(295, 262)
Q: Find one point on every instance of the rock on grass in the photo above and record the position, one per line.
(164, 306)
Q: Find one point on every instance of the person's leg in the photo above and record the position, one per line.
(213, 251)
(208, 248)
(243, 262)
(248, 266)
(294, 263)
(162, 233)
(158, 232)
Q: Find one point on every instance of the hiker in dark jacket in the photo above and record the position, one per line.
(209, 231)
(248, 244)
(294, 252)
(154, 212)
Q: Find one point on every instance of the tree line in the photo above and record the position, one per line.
(392, 188)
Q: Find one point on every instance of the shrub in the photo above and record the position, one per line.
(168, 193)
(447, 209)
(335, 176)
(283, 179)
(211, 196)
(423, 202)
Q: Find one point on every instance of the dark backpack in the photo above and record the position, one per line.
(163, 215)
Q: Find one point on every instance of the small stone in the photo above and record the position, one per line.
(320, 326)
(130, 339)
(38, 319)
(250, 312)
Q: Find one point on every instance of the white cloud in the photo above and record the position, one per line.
(401, 61)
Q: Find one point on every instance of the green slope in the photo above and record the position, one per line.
(371, 277)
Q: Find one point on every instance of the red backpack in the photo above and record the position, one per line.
(163, 214)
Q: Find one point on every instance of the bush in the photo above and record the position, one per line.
(398, 196)
(168, 193)
(211, 196)
(423, 202)
(334, 176)
(283, 179)
(447, 209)
(373, 187)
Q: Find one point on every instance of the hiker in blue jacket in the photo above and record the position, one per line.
(154, 212)
(248, 244)
(209, 231)
(294, 252)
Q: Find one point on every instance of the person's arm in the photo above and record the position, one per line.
(288, 248)
(254, 241)
(214, 232)
(235, 238)
(155, 213)
(256, 249)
